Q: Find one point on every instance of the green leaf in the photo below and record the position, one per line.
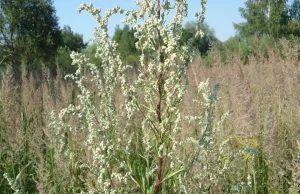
(174, 173)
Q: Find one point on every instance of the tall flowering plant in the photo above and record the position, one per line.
(126, 154)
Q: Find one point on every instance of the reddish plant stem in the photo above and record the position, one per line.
(160, 85)
(159, 174)
(160, 159)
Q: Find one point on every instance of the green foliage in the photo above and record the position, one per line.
(29, 34)
(293, 28)
(91, 52)
(19, 169)
(275, 18)
(30, 28)
(64, 60)
(126, 44)
(251, 46)
(263, 17)
(71, 40)
(203, 44)
(261, 173)
(294, 10)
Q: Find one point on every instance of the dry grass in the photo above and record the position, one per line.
(264, 96)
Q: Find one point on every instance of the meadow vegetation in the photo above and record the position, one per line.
(171, 113)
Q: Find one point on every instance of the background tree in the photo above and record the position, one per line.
(126, 44)
(295, 10)
(263, 17)
(29, 32)
(203, 44)
(90, 52)
(73, 41)
(294, 19)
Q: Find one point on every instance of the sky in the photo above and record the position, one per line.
(220, 15)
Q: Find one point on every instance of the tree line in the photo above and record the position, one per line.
(276, 18)
(30, 34)
(266, 23)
